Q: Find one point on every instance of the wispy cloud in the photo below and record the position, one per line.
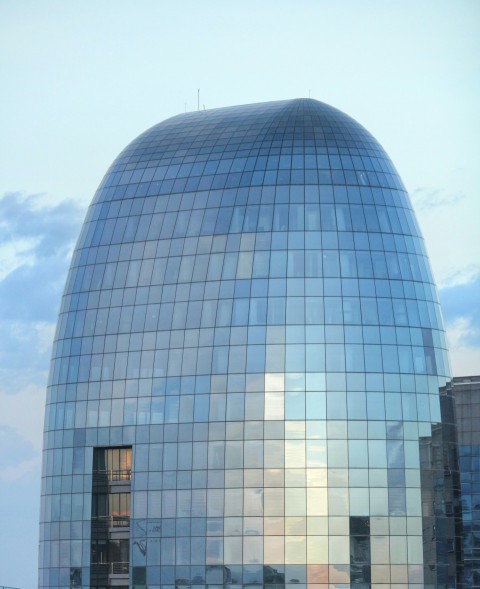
(460, 277)
(15, 253)
(429, 198)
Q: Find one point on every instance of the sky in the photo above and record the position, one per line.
(80, 80)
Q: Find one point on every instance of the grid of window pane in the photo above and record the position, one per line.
(250, 308)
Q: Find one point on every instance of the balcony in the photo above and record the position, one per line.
(102, 477)
(111, 570)
(110, 521)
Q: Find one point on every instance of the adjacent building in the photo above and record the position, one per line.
(466, 392)
(246, 374)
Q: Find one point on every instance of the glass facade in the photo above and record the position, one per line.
(466, 391)
(245, 378)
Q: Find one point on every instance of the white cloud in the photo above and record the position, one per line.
(36, 238)
(22, 470)
(24, 356)
(16, 253)
(464, 357)
(459, 330)
(23, 413)
(33, 228)
(41, 333)
(45, 334)
(465, 361)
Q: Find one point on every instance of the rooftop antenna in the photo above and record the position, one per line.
(198, 99)
(309, 92)
(185, 106)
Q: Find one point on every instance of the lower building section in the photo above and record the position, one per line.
(276, 503)
(292, 504)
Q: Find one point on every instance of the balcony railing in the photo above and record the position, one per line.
(111, 521)
(119, 568)
(110, 568)
(102, 476)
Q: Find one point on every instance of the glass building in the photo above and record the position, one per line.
(466, 392)
(246, 374)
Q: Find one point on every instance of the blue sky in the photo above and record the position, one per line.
(82, 79)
